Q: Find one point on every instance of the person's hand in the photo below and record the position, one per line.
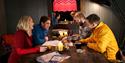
(43, 49)
(77, 41)
(82, 40)
(64, 38)
(46, 38)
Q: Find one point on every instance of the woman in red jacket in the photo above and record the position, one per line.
(23, 40)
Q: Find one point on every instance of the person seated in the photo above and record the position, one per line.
(75, 25)
(55, 19)
(78, 25)
(102, 38)
(40, 31)
(22, 43)
(85, 31)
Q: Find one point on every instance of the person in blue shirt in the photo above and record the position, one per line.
(40, 31)
(55, 18)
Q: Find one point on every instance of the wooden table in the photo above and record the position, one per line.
(88, 56)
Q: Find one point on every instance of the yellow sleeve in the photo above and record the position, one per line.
(103, 38)
(93, 46)
(88, 40)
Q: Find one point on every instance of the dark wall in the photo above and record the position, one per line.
(2, 18)
(17, 8)
(121, 4)
(119, 11)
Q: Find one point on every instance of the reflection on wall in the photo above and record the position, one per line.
(2, 18)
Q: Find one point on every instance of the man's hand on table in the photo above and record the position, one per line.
(82, 40)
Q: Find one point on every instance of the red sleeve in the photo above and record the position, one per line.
(21, 51)
(21, 42)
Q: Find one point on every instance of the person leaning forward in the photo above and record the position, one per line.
(102, 38)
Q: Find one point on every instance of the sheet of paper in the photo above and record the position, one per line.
(59, 58)
(51, 43)
(50, 57)
(56, 58)
(46, 57)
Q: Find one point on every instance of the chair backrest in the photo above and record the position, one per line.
(6, 46)
(8, 39)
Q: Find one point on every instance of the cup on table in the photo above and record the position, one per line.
(49, 47)
(78, 45)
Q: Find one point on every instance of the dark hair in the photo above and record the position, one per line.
(43, 19)
(93, 18)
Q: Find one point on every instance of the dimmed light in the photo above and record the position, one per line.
(64, 5)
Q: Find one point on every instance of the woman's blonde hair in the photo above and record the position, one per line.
(79, 15)
(23, 23)
(72, 13)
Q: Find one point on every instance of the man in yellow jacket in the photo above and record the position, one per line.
(102, 38)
